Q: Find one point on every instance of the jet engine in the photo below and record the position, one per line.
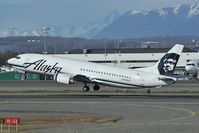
(63, 78)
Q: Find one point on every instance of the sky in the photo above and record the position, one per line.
(28, 14)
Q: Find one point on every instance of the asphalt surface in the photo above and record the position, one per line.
(107, 112)
(50, 86)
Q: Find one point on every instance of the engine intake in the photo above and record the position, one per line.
(63, 78)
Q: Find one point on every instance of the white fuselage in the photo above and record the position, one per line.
(102, 74)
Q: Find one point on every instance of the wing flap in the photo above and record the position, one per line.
(82, 78)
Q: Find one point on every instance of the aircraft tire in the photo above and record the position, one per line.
(96, 87)
(86, 89)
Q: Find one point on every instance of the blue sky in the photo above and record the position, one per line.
(26, 14)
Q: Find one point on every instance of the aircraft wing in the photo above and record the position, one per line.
(82, 78)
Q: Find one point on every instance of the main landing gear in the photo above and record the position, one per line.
(86, 88)
(95, 88)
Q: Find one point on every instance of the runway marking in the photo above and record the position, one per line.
(158, 122)
(191, 113)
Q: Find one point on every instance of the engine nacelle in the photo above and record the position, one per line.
(63, 78)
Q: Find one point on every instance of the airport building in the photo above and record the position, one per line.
(12, 75)
(130, 58)
(7, 73)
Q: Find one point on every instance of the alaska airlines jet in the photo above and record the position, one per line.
(192, 67)
(69, 71)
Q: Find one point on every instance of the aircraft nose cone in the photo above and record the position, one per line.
(10, 61)
(188, 69)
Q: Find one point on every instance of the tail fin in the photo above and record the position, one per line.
(166, 65)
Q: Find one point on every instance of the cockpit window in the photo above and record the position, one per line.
(17, 57)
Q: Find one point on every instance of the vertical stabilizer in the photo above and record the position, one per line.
(167, 64)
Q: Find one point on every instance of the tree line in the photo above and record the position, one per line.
(5, 56)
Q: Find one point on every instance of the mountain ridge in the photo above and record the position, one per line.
(169, 21)
(87, 30)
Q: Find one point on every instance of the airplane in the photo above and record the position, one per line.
(192, 67)
(69, 71)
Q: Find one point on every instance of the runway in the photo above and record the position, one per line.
(189, 87)
(97, 112)
(102, 113)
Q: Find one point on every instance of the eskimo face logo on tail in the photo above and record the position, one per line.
(168, 63)
(42, 66)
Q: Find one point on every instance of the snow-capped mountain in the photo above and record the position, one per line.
(179, 20)
(71, 30)
(89, 30)
(18, 32)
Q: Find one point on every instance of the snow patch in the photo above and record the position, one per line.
(194, 9)
(35, 33)
(162, 12)
(136, 12)
(4, 33)
(177, 9)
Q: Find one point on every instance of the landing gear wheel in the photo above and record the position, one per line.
(96, 87)
(86, 88)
